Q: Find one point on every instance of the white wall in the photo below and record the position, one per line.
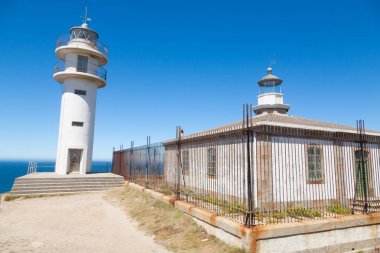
(231, 168)
(76, 108)
(289, 169)
(270, 98)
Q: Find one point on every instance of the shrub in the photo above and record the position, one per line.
(339, 209)
(303, 212)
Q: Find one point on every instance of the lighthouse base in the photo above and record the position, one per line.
(49, 183)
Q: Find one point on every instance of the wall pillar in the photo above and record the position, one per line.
(264, 171)
(340, 181)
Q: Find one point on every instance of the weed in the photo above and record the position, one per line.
(171, 228)
(10, 198)
(339, 209)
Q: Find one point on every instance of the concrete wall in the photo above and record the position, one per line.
(359, 233)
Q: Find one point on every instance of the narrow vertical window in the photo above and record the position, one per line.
(361, 170)
(211, 162)
(314, 164)
(185, 162)
(82, 63)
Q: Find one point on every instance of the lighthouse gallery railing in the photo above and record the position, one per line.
(70, 66)
(65, 40)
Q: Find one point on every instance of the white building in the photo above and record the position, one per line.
(293, 162)
(81, 74)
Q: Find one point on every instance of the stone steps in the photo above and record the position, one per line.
(46, 184)
(57, 191)
(63, 186)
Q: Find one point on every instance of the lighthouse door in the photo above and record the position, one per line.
(75, 156)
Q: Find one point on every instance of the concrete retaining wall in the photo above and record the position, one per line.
(358, 233)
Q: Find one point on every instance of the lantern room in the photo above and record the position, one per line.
(270, 98)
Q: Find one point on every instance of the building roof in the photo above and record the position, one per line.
(283, 120)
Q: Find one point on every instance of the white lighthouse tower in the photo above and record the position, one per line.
(270, 98)
(80, 72)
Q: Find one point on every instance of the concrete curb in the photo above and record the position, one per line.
(250, 238)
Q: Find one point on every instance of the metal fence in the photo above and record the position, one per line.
(259, 175)
(143, 165)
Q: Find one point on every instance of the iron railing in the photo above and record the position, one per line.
(65, 40)
(143, 165)
(70, 66)
(32, 167)
(259, 175)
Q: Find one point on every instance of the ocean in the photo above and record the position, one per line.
(9, 170)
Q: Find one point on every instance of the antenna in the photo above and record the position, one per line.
(272, 62)
(85, 18)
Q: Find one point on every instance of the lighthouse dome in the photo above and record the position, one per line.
(269, 79)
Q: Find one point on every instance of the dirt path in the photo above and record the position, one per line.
(75, 223)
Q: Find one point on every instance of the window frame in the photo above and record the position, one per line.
(212, 161)
(185, 162)
(82, 66)
(315, 180)
(357, 169)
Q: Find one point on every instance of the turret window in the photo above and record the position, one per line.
(82, 63)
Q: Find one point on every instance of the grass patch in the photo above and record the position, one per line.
(11, 198)
(170, 227)
(303, 212)
(339, 209)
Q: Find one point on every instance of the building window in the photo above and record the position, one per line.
(314, 164)
(211, 162)
(82, 63)
(77, 123)
(80, 92)
(361, 170)
(185, 162)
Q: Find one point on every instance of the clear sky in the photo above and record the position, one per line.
(189, 63)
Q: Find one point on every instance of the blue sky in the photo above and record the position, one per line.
(188, 63)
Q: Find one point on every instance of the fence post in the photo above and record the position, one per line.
(147, 166)
(120, 160)
(131, 161)
(363, 166)
(247, 112)
(179, 162)
(113, 158)
(155, 169)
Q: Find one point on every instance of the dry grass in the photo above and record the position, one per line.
(171, 227)
(11, 198)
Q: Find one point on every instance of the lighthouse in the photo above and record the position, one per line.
(80, 72)
(270, 98)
